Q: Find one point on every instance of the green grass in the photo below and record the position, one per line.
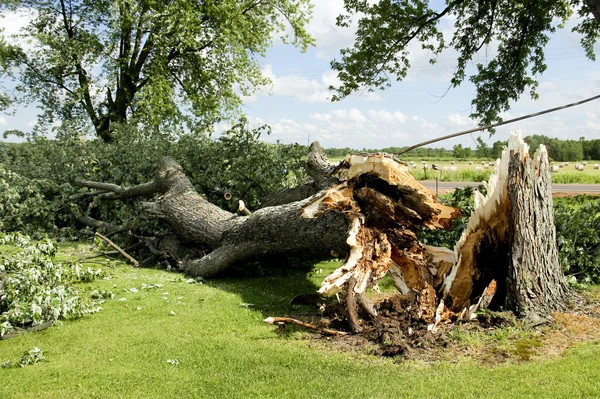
(467, 172)
(225, 350)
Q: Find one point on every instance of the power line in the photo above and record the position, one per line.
(520, 118)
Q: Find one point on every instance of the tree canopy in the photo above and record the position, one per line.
(155, 63)
(518, 30)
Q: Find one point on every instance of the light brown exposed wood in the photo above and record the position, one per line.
(277, 320)
(119, 250)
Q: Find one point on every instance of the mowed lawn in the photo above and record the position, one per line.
(183, 339)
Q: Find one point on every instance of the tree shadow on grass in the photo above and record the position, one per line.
(272, 292)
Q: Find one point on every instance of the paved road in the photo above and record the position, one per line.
(556, 188)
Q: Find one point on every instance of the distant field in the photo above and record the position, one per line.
(476, 171)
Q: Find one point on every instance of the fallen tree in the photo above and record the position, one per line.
(368, 209)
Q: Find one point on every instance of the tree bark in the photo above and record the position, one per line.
(594, 6)
(369, 210)
(511, 240)
(535, 282)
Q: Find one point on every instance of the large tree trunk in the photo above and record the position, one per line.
(535, 281)
(369, 209)
(511, 240)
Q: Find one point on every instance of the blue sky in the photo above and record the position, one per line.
(296, 106)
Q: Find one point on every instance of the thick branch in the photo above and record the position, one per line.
(114, 191)
(594, 6)
(110, 229)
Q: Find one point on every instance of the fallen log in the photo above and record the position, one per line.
(368, 209)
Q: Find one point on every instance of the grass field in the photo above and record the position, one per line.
(188, 340)
(477, 171)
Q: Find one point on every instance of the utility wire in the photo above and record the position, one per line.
(520, 118)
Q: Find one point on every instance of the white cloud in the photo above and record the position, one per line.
(460, 120)
(2, 120)
(387, 116)
(13, 22)
(329, 37)
(297, 86)
(371, 96)
(353, 127)
(330, 78)
(320, 117)
(356, 116)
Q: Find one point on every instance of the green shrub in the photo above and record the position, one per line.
(36, 289)
(34, 206)
(461, 198)
(577, 227)
(36, 179)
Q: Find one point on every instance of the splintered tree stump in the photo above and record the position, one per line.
(510, 241)
(368, 209)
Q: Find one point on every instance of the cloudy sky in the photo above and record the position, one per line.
(298, 109)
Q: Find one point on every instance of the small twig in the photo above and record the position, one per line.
(277, 320)
(115, 246)
(242, 208)
(110, 253)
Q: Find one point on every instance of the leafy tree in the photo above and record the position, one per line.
(460, 152)
(155, 63)
(498, 147)
(482, 150)
(520, 28)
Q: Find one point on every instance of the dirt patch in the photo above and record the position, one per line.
(493, 338)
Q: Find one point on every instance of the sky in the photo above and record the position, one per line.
(298, 109)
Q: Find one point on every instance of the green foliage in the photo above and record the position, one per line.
(519, 29)
(164, 65)
(35, 288)
(30, 357)
(33, 206)
(577, 226)
(566, 150)
(239, 163)
(461, 198)
(37, 176)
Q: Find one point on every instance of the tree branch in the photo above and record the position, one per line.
(114, 191)
(405, 40)
(83, 80)
(115, 246)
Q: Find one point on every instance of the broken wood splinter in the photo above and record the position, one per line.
(278, 320)
(115, 246)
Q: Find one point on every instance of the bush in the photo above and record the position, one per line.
(36, 179)
(577, 226)
(461, 198)
(36, 289)
(34, 206)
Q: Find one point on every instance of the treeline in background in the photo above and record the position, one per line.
(559, 150)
